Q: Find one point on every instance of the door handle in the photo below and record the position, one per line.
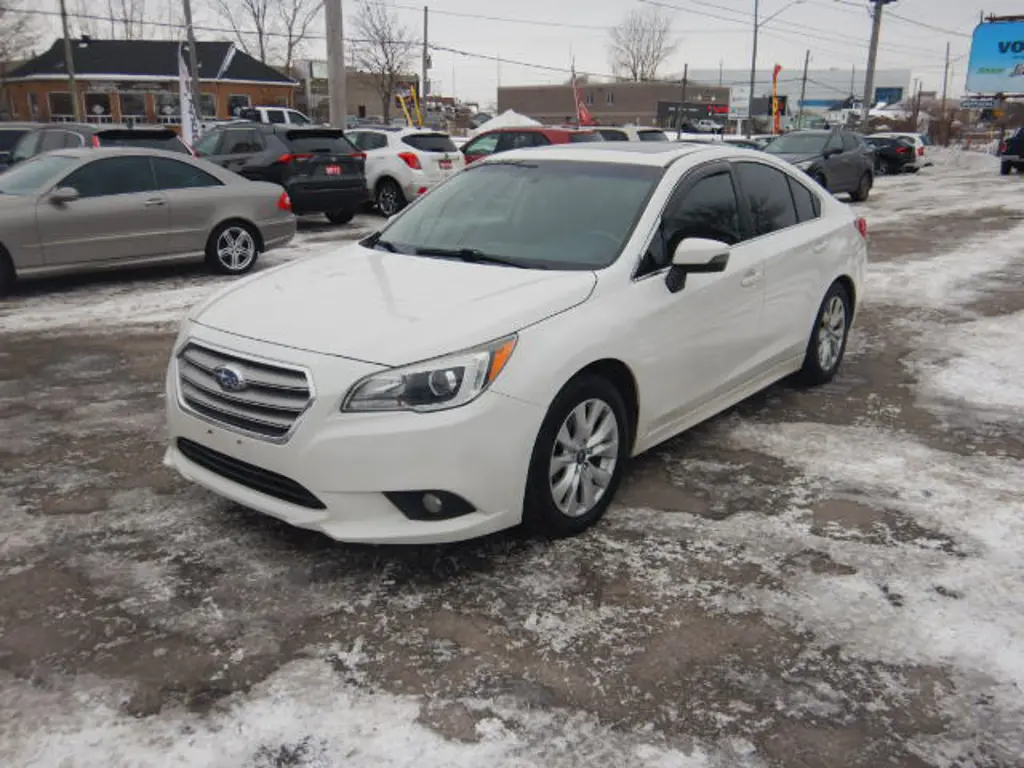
(154, 203)
(750, 278)
(820, 246)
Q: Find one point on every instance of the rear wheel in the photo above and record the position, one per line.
(390, 199)
(340, 217)
(578, 459)
(827, 345)
(233, 248)
(860, 194)
(7, 273)
(1005, 168)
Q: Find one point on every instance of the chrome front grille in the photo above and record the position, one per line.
(254, 396)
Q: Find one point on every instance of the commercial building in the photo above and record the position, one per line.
(362, 91)
(121, 80)
(616, 103)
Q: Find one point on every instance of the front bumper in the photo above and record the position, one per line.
(480, 452)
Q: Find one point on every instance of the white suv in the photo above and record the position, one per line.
(404, 163)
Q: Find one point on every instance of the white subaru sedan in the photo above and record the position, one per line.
(500, 349)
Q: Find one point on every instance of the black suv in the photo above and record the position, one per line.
(319, 168)
(838, 160)
(1011, 153)
(44, 137)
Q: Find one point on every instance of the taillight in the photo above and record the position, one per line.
(411, 159)
(1002, 149)
(862, 226)
(920, 151)
(284, 202)
(903, 150)
(293, 158)
(358, 155)
(96, 141)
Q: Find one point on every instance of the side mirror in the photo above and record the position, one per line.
(64, 195)
(696, 255)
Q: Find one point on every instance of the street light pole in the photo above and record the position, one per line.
(69, 63)
(869, 77)
(336, 75)
(193, 62)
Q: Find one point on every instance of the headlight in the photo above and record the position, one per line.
(433, 385)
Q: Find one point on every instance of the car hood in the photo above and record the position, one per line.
(390, 309)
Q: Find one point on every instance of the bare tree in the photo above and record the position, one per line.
(17, 35)
(252, 22)
(295, 18)
(127, 19)
(386, 49)
(641, 44)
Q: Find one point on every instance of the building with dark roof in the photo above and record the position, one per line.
(121, 80)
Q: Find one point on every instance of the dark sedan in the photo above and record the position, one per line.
(892, 155)
(836, 159)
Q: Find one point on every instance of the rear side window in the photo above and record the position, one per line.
(808, 207)
(172, 174)
(430, 142)
(52, 140)
(323, 142)
(241, 142)
(768, 197)
(27, 146)
(485, 145)
(208, 144)
(613, 135)
(8, 139)
(652, 136)
(579, 138)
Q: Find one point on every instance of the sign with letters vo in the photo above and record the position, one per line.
(997, 58)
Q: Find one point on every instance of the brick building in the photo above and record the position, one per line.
(609, 103)
(118, 80)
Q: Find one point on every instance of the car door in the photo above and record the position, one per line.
(702, 342)
(119, 214)
(858, 156)
(836, 168)
(194, 198)
(480, 147)
(793, 240)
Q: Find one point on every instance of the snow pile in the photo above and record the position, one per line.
(507, 119)
(305, 716)
(955, 158)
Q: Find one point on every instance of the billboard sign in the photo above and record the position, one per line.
(983, 103)
(739, 102)
(997, 58)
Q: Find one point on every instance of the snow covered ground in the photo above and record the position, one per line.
(824, 578)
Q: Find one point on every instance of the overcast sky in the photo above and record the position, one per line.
(547, 34)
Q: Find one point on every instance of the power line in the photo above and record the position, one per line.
(925, 25)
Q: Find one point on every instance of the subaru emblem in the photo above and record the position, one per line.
(230, 378)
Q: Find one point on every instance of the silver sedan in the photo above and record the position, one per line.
(87, 209)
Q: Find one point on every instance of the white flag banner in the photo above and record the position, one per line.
(189, 122)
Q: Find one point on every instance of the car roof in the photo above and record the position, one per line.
(658, 154)
(17, 126)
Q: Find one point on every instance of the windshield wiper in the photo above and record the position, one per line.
(472, 255)
(375, 241)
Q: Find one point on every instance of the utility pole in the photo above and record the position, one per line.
(682, 101)
(424, 83)
(869, 78)
(753, 72)
(721, 65)
(69, 63)
(945, 88)
(803, 91)
(193, 63)
(336, 75)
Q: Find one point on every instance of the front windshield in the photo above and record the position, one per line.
(33, 176)
(798, 144)
(546, 214)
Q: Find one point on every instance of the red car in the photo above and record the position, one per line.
(504, 139)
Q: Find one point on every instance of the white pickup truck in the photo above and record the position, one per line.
(276, 115)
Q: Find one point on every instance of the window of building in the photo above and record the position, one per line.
(97, 108)
(168, 107)
(590, 99)
(33, 105)
(61, 106)
(207, 105)
(610, 98)
(133, 105)
(238, 102)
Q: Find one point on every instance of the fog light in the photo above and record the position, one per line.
(432, 504)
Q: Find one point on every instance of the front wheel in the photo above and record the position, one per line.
(827, 345)
(860, 194)
(233, 248)
(579, 457)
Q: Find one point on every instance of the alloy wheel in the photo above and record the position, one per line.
(236, 249)
(584, 457)
(387, 199)
(831, 333)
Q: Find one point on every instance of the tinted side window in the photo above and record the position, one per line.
(112, 176)
(808, 206)
(850, 143)
(835, 142)
(52, 140)
(208, 144)
(375, 141)
(768, 197)
(325, 141)
(275, 116)
(170, 174)
(612, 135)
(240, 142)
(485, 145)
(430, 142)
(708, 209)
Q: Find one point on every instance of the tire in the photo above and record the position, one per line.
(8, 277)
(860, 194)
(340, 217)
(601, 472)
(831, 329)
(1005, 168)
(233, 248)
(389, 197)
